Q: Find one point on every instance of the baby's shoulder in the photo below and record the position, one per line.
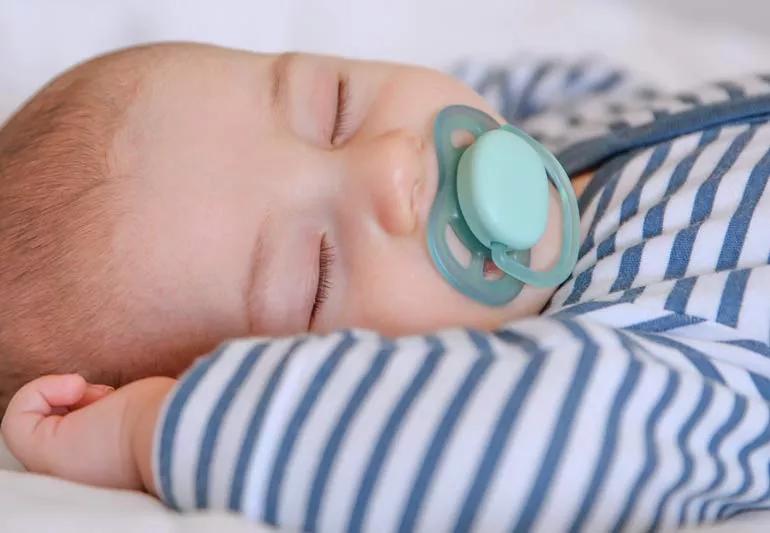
(677, 228)
(595, 130)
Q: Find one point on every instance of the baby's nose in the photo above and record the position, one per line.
(392, 168)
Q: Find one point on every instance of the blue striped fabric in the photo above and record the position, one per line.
(638, 401)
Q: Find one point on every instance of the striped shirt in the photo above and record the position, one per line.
(637, 401)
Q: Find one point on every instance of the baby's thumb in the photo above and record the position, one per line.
(33, 416)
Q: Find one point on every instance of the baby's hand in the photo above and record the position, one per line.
(63, 426)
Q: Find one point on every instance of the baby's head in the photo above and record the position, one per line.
(156, 201)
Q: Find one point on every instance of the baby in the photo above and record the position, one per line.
(162, 199)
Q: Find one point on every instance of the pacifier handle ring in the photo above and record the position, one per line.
(570, 226)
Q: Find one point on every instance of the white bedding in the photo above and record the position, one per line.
(34, 503)
(39, 39)
(673, 43)
(40, 504)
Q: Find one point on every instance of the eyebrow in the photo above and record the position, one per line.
(279, 74)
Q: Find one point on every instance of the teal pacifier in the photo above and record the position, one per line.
(492, 200)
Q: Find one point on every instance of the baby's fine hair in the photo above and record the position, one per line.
(56, 198)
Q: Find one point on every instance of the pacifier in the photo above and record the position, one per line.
(492, 199)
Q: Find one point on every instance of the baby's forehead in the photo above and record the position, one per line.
(184, 96)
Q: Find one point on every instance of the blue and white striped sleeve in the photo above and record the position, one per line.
(526, 86)
(550, 424)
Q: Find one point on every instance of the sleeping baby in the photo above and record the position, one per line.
(434, 328)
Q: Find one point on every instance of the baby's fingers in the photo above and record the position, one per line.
(92, 394)
(33, 415)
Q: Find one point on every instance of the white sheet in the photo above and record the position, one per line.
(39, 39)
(674, 45)
(40, 504)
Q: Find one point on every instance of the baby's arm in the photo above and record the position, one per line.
(550, 423)
(546, 424)
(62, 426)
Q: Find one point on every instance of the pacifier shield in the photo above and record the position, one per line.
(502, 189)
(493, 197)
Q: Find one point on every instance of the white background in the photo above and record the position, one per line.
(673, 43)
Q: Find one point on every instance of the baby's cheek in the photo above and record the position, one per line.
(413, 298)
(397, 296)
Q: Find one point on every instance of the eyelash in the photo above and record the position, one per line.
(325, 260)
(342, 118)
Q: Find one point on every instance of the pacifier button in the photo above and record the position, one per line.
(502, 190)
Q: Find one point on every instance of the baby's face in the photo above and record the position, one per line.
(271, 195)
